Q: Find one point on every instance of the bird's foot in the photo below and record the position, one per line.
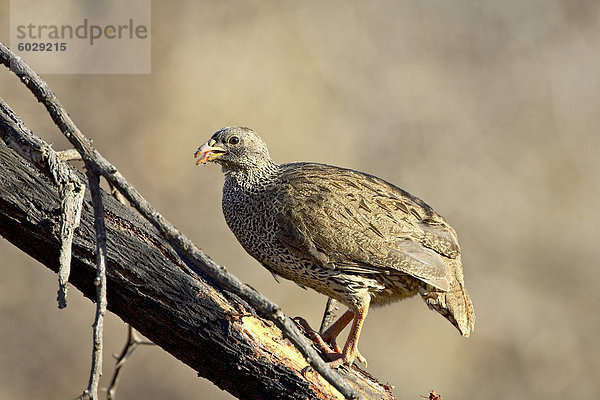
(339, 359)
(361, 359)
(328, 347)
(332, 343)
(315, 337)
(329, 351)
(337, 350)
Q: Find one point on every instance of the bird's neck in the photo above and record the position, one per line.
(253, 177)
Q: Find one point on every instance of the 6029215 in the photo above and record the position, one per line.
(42, 46)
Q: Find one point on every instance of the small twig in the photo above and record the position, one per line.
(328, 316)
(100, 282)
(133, 341)
(95, 162)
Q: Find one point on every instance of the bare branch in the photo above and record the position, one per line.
(100, 165)
(100, 283)
(133, 341)
(329, 314)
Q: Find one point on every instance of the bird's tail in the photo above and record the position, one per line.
(455, 304)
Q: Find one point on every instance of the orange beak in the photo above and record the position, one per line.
(208, 152)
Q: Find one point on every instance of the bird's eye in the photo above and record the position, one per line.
(234, 140)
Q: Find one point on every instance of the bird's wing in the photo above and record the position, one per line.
(360, 223)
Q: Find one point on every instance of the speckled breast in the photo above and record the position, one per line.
(252, 214)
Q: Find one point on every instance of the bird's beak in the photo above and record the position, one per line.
(208, 152)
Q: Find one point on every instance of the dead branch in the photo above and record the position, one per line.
(100, 283)
(133, 341)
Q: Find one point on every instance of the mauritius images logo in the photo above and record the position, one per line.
(83, 36)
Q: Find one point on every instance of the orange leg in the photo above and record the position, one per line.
(351, 352)
(334, 330)
(351, 348)
(326, 342)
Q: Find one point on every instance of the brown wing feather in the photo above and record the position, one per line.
(354, 221)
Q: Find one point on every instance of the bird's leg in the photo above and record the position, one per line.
(326, 343)
(351, 352)
(334, 330)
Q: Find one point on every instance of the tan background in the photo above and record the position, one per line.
(488, 110)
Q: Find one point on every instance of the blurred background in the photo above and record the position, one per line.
(487, 110)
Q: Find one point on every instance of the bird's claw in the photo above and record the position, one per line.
(362, 359)
(329, 347)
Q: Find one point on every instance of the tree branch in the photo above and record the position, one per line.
(99, 282)
(133, 341)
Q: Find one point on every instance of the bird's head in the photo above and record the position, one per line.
(235, 148)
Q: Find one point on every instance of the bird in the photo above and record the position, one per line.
(346, 234)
